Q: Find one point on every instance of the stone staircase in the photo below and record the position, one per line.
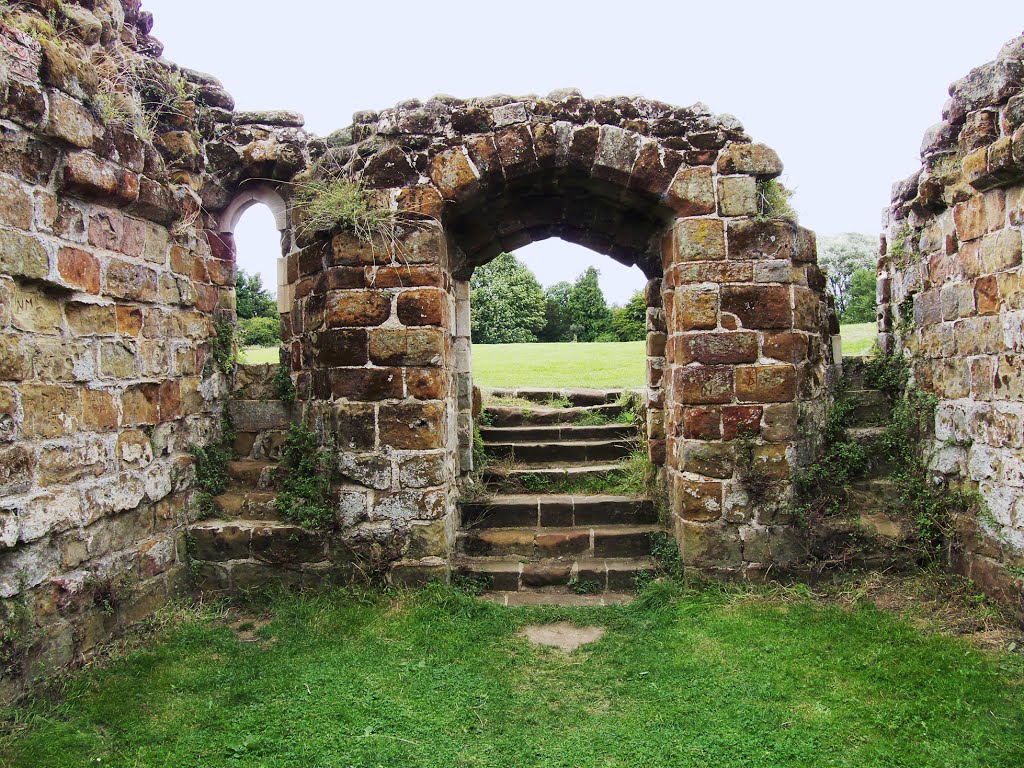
(246, 545)
(528, 540)
(871, 525)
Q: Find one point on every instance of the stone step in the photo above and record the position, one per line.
(877, 495)
(268, 542)
(872, 407)
(554, 511)
(543, 474)
(267, 445)
(251, 473)
(559, 597)
(579, 451)
(871, 439)
(576, 396)
(854, 367)
(556, 433)
(512, 575)
(259, 415)
(577, 541)
(513, 416)
(248, 505)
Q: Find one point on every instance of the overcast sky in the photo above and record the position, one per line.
(843, 91)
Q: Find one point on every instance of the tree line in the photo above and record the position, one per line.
(508, 305)
(258, 318)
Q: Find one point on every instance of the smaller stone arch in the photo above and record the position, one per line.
(246, 199)
(228, 219)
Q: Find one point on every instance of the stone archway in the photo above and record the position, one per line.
(738, 318)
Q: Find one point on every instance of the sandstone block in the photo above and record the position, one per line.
(125, 280)
(15, 204)
(696, 500)
(421, 307)
(357, 308)
(412, 426)
(696, 308)
(700, 385)
(22, 256)
(755, 159)
(354, 425)
(716, 348)
(759, 306)
(697, 240)
(737, 195)
(415, 347)
(339, 347)
(766, 383)
(701, 423)
(79, 269)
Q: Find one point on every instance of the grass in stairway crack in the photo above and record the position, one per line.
(633, 476)
(683, 677)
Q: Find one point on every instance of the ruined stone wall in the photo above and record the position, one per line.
(111, 290)
(950, 298)
(738, 337)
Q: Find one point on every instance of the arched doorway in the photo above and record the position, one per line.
(381, 343)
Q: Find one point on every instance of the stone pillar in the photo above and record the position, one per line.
(744, 356)
(374, 358)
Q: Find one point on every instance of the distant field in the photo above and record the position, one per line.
(253, 355)
(600, 366)
(859, 338)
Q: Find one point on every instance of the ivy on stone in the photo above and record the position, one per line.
(304, 495)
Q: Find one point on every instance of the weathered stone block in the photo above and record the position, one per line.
(79, 269)
(354, 425)
(699, 384)
(696, 308)
(696, 240)
(766, 383)
(22, 256)
(696, 500)
(737, 195)
(692, 192)
(416, 347)
(412, 426)
(357, 308)
(702, 423)
(716, 348)
(339, 347)
(755, 159)
(421, 307)
(759, 306)
(1000, 250)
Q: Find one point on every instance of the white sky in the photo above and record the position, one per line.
(843, 91)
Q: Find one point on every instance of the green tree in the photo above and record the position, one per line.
(557, 323)
(506, 302)
(861, 298)
(588, 310)
(630, 321)
(840, 256)
(259, 332)
(251, 298)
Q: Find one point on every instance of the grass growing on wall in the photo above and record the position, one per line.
(682, 678)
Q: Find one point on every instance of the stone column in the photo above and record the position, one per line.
(744, 356)
(375, 361)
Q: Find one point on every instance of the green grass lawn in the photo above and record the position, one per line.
(437, 678)
(600, 366)
(858, 338)
(253, 355)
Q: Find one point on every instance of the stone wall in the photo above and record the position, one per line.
(738, 337)
(113, 163)
(121, 178)
(950, 298)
